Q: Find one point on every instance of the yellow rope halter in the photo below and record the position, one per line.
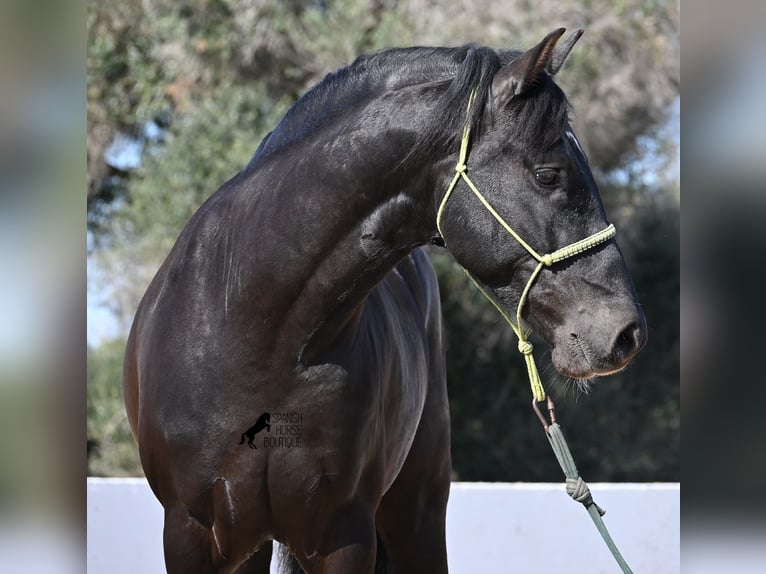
(546, 260)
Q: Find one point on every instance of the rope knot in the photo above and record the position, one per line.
(461, 168)
(525, 347)
(547, 259)
(578, 489)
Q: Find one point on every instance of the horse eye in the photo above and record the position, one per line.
(547, 177)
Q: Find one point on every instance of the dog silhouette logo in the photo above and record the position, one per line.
(263, 422)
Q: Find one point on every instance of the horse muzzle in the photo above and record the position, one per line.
(600, 346)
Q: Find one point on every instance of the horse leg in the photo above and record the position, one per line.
(187, 544)
(258, 563)
(348, 544)
(411, 516)
(191, 547)
(222, 546)
(412, 527)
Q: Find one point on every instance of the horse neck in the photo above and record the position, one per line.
(334, 214)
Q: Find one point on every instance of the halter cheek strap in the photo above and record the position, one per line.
(545, 260)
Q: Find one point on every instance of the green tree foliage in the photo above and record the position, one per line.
(111, 449)
(196, 84)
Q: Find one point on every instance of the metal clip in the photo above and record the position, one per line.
(551, 412)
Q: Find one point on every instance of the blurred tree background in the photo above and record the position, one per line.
(180, 93)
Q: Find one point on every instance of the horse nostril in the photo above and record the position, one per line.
(627, 343)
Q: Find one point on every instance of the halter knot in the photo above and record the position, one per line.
(547, 259)
(525, 347)
(461, 168)
(578, 489)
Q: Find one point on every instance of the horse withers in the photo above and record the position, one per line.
(299, 290)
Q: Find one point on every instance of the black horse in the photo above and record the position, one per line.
(299, 287)
(261, 424)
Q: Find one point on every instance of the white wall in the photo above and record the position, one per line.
(491, 527)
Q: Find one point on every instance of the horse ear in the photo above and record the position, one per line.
(515, 78)
(561, 52)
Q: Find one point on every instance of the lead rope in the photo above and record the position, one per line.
(575, 486)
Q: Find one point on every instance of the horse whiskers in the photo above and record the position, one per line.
(577, 387)
(583, 386)
(563, 385)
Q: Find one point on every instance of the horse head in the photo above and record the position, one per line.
(527, 166)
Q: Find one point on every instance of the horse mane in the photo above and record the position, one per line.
(448, 75)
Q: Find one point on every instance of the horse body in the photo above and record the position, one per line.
(344, 327)
(299, 288)
(361, 408)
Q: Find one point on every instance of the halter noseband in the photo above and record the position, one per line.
(546, 260)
